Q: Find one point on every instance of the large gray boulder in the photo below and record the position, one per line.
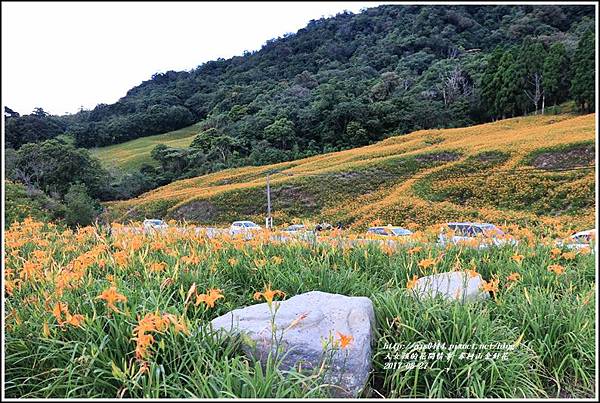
(453, 286)
(303, 324)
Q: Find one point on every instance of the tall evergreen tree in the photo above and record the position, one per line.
(490, 84)
(583, 86)
(556, 78)
(510, 76)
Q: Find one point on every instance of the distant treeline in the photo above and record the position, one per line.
(352, 79)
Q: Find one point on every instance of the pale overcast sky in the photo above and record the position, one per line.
(62, 56)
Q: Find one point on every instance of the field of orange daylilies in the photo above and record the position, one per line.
(93, 313)
(477, 173)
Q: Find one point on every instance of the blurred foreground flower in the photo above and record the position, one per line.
(556, 269)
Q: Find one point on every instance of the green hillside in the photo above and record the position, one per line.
(132, 154)
(527, 171)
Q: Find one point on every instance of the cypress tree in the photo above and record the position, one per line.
(556, 74)
(583, 86)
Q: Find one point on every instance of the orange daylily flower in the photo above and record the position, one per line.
(426, 263)
(411, 283)
(121, 258)
(158, 266)
(491, 286)
(344, 340)
(210, 297)
(514, 277)
(472, 273)
(268, 294)
(191, 259)
(110, 295)
(555, 252)
(518, 258)
(58, 310)
(260, 262)
(569, 255)
(153, 322)
(556, 269)
(75, 320)
(416, 249)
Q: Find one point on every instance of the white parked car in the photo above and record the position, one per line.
(154, 224)
(389, 231)
(581, 240)
(479, 235)
(295, 228)
(243, 227)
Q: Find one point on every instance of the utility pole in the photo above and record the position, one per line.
(269, 221)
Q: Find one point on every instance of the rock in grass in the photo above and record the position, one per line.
(454, 286)
(303, 324)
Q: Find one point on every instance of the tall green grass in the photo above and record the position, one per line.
(134, 153)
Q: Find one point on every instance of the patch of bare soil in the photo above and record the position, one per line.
(444, 156)
(574, 157)
(201, 211)
(287, 196)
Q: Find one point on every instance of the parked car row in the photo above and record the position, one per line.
(478, 235)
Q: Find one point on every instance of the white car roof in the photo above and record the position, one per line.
(472, 224)
(390, 227)
(587, 232)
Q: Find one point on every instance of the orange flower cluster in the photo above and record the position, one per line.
(414, 250)
(121, 258)
(555, 253)
(153, 322)
(192, 259)
(72, 274)
(491, 286)
(111, 296)
(61, 309)
(426, 263)
(158, 266)
(517, 258)
(556, 269)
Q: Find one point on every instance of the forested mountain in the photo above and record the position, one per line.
(340, 82)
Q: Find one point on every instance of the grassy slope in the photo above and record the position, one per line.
(132, 154)
(419, 179)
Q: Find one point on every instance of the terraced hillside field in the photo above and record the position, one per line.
(526, 171)
(132, 154)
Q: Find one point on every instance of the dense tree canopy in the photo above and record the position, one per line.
(53, 166)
